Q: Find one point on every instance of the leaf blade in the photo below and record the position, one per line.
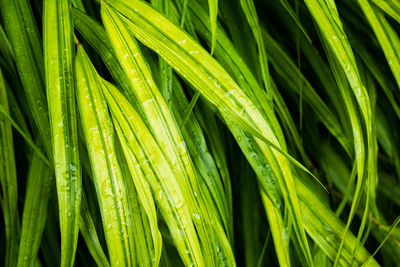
(108, 179)
(130, 128)
(8, 180)
(61, 100)
(207, 76)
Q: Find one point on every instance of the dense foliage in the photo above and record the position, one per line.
(199, 133)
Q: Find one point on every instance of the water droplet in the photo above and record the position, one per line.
(328, 228)
(197, 216)
(285, 233)
(178, 204)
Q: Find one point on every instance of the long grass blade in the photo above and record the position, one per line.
(59, 55)
(358, 136)
(108, 179)
(252, 18)
(200, 155)
(97, 37)
(165, 129)
(196, 65)
(288, 70)
(293, 14)
(386, 35)
(390, 7)
(164, 7)
(145, 159)
(34, 215)
(9, 186)
(88, 230)
(148, 252)
(213, 132)
(27, 47)
(213, 10)
(25, 135)
(327, 230)
(6, 57)
(327, 18)
(380, 77)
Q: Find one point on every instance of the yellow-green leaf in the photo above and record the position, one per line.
(107, 176)
(59, 55)
(194, 64)
(150, 169)
(165, 130)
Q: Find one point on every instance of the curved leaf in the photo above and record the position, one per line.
(149, 168)
(108, 179)
(191, 61)
(165, 130)
(27, 47)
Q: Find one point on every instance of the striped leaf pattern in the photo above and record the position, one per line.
(107, 175)
(59, 63)
(199, 133)
(8, 180)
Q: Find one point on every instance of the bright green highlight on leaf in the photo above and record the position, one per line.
(199, 133)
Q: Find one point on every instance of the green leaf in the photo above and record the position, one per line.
(164, 7)
(214, 132)
(286, 68)
(27, 46)
(97, 37)
(59, 55)
(88, 230)
(386, 35)
(327, 18)
(149, 168)
(327, 230)
(195, 65)
(251, 15)
(26, 135)
(202, 159)
(9, 186)
(107, 175)
(358, 136)
(148, 251)
(295, 17)
(213, 9)
(34, 216)
(387, 87)
(6, 56)
(165, 130)
(390, 7)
